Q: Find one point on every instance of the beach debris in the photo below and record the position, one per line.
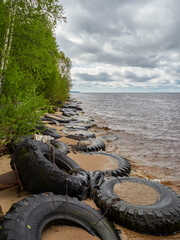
(43, 138)
(19, 181)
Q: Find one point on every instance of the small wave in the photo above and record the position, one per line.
(143, 128)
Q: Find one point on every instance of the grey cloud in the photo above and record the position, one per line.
(101, 77)
(121, 33)
(126, 59)
(135, 78)
(178, 82)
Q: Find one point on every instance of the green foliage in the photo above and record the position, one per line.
(20, 117)
(58, 85)
(37, 74)
(50, 110)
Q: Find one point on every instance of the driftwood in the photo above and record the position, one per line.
(19, 181)
(8, 180)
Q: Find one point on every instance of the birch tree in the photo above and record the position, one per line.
(23, 11)
(7, 43)
(34, 74)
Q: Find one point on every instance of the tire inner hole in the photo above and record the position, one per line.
(136, 194)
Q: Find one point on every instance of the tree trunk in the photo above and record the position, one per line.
(7, 43)
(10, 36)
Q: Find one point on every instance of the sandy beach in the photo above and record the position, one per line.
(88, 162)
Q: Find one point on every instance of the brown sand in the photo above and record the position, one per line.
(57, 232)
(5, 163)
(94, 162)
(58, 128)
(68, 141)
(10, 196)
(137, 194)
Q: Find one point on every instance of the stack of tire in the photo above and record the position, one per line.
(61, 184)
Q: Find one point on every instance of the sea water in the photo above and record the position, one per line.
(142, 127)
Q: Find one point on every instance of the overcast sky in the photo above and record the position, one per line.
(122, 45)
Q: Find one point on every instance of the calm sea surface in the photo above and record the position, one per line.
(143, 127)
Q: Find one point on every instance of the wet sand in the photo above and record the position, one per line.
(89, 162)
(135, 193)
(152, 164)
(94, 162)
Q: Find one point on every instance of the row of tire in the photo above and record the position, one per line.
(159, 218)
(49, 172)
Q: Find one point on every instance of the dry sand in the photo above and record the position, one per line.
(130, 192)
(5, 164)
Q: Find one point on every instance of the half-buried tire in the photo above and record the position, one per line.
(38, 174)
(89, 145)
(60, 146)
(49, 131)
(123, 169)
(160, 217)
(78, 134)
(57, 118)
(78, 125)
(27, 218)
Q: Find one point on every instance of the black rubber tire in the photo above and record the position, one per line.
(78, 134)
(69, 113)
(27, 218)
(123, 169)
(74, 126)
(50, 121)
(72, 106)
(79, 125)
(68, 110)
(39, 175)
(89, 145)
(160, 218)
(60, 146)
(15, 142)
(83, 119)
(49, 131)
(60, 119)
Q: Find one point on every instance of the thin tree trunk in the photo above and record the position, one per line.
(3, 57)
(10, 37)
(5, 48)
(7, 43)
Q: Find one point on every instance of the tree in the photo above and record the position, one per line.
(23, 11)
(61, 78)
(34, 73)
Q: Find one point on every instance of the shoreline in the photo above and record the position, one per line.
(137, 157)
(9, 196)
